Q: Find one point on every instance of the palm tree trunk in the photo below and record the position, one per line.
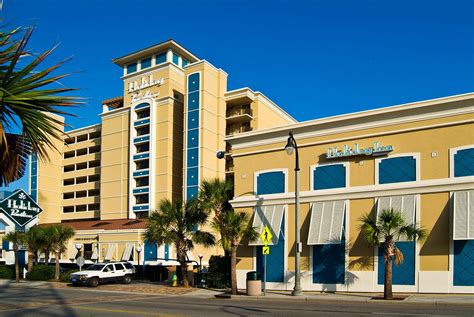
(388, 256)
(56, 274)
(30, 260)
(46, 257)
(233, 270)
(17, 265)
(183, 266)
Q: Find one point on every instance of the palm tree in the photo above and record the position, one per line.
(60, 235)
(175, 223)
(47, 243)
(27, 102)
(16, 238)
(234, 227)
(213, 197)
(389, 228)
(34, 240)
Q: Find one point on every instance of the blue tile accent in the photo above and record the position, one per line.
(464, 163)
(5, 245)
(131, 68)
(146, 62)
(141, 173)
(192, 176)
(403, 274)
(140, 208)
(193, 138)
(34, 194)
(22, 258)
(34, 177)
(175, 58)
(397, 169)
(160, 58)
(193, 101)
(193, 82)
(193, 156)
(329, 263)
(142, 106)
(329, 176)
(193, 120)
(150, 252)
(141, 122)
(167, 251)
(270, 183)
(275, 260)
(141, 156)
(191, 192)
(463, 263)
(140, 190)
(141, 139)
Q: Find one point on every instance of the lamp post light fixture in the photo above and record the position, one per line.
(80, 261)
(290, 148)
(200, 256)
(78, 247)
(139, 250)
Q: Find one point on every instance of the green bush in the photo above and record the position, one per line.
(7, 272)
(219, 272)
(41, 273)
(65, 276)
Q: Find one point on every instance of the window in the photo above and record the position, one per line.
(94, 135)
(69, 168)
(160, 58)
(326, 222)
(143, 114)
(68, 209)
(69, 140)
(93, 192)
(88, 251)
(146, 62)
(142, 165)
(118, 266)
(143, 148)
(175, 58)
(81, 180)
(396, 170)
(143, 131)
(94, 149)
(69, 154)
(69, 181)
(329, 176)
(82, 193)
(271, 216)
(95, 163)
(93, 207)
(464, 162)
(142, 182)
(81, 138)
(69, 195)
(131, 68)
(271, 183)
(94, 178)
(142, 199)
(184, 62)
(81, 208)
(81, 166)
(81, 152)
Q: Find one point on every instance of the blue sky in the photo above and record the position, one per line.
(313, 58)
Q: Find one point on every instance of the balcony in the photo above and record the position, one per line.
(237, 130)
(239, 115)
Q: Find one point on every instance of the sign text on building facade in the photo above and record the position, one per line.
(347, 151)
(135, 87)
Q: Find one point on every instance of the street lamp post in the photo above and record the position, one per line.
(139, 249)
(79, 247)
(200, 269)
(290, 148)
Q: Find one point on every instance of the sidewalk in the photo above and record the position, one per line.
(434, 299)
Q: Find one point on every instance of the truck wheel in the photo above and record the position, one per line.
(127, 279)
(94, 282)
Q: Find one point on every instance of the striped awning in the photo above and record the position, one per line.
(127, 252)
(326, 222)
(110, 251)
(403, 204)
(270, 216)
(463, 228)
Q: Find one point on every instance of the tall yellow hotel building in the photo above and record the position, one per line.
(159, 140)
(417, 158)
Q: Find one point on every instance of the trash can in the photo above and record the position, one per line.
(254, 284)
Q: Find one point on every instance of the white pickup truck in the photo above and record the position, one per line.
(100, 273)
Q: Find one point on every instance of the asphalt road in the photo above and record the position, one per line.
(16, 301)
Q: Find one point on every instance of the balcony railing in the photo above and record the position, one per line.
(232, 131)
(239, 112)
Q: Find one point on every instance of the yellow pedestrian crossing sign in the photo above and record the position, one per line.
(266, 250)
(266, 235)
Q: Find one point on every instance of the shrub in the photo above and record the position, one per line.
(7, 272)
(65, 276)
(41, 273)
(219, 272)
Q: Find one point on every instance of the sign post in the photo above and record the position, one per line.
(266, 238)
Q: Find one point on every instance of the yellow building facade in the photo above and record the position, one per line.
(416, 158)
(156, 141)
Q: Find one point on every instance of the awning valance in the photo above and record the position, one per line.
(326, 222)
(463, 215)
(403, 204)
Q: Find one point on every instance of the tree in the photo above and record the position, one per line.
(34, 240)
(175, 223)
(389, 228)
(27, 102)
(213, 197)
(47, 243)
(16, 238)
(59, 236)
(234, 227)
